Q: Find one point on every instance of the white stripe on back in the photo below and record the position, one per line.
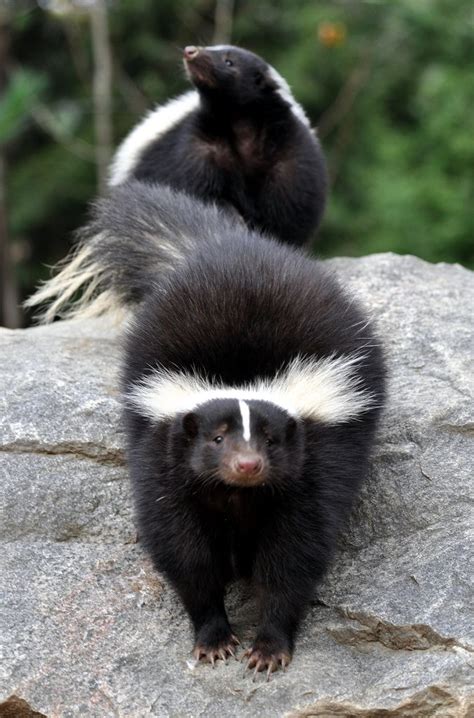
(327, 389)
(155, 124)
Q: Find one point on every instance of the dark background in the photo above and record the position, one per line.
(390, 85)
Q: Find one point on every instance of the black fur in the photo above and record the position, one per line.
(243, 147)
(236, 307)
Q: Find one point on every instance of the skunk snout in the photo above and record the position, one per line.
(199, 66)
(243, 468)
(190, 52)
(251, 464)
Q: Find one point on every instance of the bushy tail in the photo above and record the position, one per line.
(136, 234)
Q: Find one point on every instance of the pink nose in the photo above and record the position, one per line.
(190, 52)
(249, 466)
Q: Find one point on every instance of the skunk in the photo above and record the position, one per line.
(239, 139)
(252, 387)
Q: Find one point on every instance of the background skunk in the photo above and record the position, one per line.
(240, 139)
(252, 389)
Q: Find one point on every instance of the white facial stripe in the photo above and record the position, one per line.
(154, 125)
(327, 390)
(245, 413)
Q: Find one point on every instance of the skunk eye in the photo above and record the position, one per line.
(218, 439)
(229, 63)
(269, 441)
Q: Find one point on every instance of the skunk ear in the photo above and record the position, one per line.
(290, 427)
(191, 424)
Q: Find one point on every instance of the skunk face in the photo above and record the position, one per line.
(229, 73)
(242, 443)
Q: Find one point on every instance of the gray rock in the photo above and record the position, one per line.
(89, 629)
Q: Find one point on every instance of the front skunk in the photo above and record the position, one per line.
(239, 139)
(252, 386)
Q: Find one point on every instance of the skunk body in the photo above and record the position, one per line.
(252, 388)
(240, 139)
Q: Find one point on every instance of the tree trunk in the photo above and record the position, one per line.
(10, 313)
(223, 18)
(102, 82)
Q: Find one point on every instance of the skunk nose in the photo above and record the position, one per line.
(249, 465)
(190, 52)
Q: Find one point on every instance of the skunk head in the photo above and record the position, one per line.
(241, 443)
(233, 76)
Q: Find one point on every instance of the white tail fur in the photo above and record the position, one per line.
(58, 293)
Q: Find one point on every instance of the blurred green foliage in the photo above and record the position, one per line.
(17, 102)
(389, 83)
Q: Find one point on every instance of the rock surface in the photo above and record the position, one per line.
(89, 629)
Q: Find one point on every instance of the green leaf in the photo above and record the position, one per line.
(17, 101)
